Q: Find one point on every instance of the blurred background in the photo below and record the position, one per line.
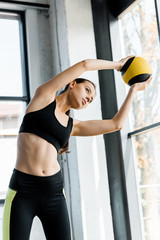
(112, 181)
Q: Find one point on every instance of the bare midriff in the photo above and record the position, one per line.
(36, 156)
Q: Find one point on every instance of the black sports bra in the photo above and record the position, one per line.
(44, 123)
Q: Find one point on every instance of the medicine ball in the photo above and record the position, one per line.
(136, 69)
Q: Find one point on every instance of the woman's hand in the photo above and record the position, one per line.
(141, 85)
(123, 61)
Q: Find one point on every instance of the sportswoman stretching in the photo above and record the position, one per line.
(36, 185)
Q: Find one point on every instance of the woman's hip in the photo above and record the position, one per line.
(34, 185)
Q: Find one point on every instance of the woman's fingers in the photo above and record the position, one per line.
(124, 60)
(149, 80)
(143, 85)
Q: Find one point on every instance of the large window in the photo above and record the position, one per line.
(13, 90)
(140, 36)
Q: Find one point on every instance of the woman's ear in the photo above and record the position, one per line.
(73, 84)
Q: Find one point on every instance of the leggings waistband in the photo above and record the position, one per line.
(34, 177)
(31, 184)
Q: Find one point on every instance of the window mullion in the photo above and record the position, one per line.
(142, 130)
(8, 98)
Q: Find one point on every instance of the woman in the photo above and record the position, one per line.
(36, 185)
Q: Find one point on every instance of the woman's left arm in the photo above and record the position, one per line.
(97, 127)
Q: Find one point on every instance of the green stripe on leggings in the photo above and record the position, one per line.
(7, 212)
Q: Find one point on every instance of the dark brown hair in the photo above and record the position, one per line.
(78, 81)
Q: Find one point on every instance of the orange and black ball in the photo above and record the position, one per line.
(136, 69)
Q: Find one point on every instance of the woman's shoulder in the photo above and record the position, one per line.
(39, 101)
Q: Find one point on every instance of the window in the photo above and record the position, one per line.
(13, 90)
(140, 36)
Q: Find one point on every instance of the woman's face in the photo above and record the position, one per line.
(82, 94)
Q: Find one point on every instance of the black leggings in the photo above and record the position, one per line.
(29, 196)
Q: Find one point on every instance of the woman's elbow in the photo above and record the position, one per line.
(85, 63)
(118, 125)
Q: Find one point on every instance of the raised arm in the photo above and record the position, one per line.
(97, 127)
(51, 86)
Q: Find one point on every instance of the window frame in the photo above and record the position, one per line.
(157, 124)
(24, 58)
(20, 15)
(127, 135)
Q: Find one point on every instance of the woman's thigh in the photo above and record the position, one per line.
(55, 219)
(18, 216)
